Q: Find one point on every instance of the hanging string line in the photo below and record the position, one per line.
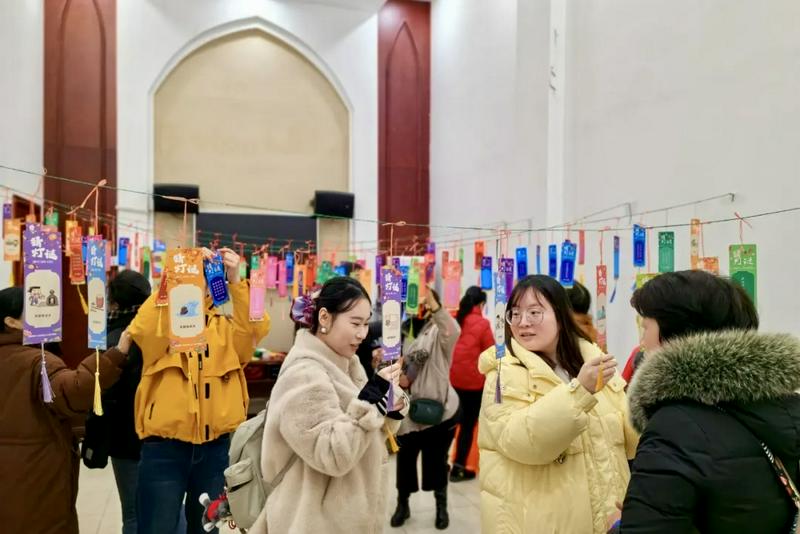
(559, 227)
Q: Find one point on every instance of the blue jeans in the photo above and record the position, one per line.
(170, 469)
(126, 473)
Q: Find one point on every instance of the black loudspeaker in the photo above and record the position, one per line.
(174, 190)
(334, 204)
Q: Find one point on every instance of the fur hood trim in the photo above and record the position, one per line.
(714, 368)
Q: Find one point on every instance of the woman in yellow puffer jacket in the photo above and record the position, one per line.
(188, 403)
(554, 451)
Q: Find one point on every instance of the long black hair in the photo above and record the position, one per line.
(688, 302)
(474, 296)
(12, 303)
(579, 298)
(338, 295)
(568, 352)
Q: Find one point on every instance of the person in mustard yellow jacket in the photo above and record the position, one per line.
(554, 451)
(187, 405)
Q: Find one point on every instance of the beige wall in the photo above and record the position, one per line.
(251, 121)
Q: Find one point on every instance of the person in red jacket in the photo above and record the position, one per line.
(636, 357)
(476, 337)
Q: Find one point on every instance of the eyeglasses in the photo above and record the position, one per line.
(514, 316)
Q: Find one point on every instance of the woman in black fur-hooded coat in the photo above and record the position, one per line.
(710, 392)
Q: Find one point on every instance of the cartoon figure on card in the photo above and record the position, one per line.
(52, 299)
(35, 296)
(190, 309)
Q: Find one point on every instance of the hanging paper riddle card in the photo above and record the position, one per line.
(77, 275)
(282, 275)
(96, 287)
(258, 288)
(214, 270)
(8, 210)
(42, 281)
(51, 218)
(311, 270)
(289, 267)
(403, 282)
(299, 286)
(325, 272)
(412, 295)
(69, 229)
(186, 300)
(538, 259)
(452, 285)
(709, 264)
(522, 262)
(146, 261)
(486, 272)
(743, 263)
(666, 252)
(552, 264)
(616, 269)
(272, 272)
(479, 249)
(430, 264)
(694, 243)
(639, 246)
(600, 306)
(506, 266)
(380, 262)
(12, 233)
(499, 325)
(568, 253)
(390, 299)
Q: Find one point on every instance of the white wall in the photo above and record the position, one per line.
(672, 101)
(489, 74)
(340, 38)
(21, 98)
(666, 102)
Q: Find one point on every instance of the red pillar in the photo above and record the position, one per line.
(404, 61)
(80, 122)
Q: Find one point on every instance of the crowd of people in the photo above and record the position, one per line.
(700, 434)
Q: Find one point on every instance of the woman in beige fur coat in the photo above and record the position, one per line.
(325, 412)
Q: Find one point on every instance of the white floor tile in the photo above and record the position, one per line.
(99, 511)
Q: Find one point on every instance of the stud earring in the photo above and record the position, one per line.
(324, 330)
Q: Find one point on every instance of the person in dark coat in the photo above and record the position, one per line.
(709, 393)
(39, 461)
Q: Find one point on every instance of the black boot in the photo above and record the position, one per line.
(459, 474)
(442, 518)
(402, 512)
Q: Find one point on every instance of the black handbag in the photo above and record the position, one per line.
(97, 441)
(426, 411)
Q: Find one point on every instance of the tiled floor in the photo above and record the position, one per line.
(99, 511)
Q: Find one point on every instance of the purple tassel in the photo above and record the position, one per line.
(390, 398)
(47, 389)
(498, 396)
